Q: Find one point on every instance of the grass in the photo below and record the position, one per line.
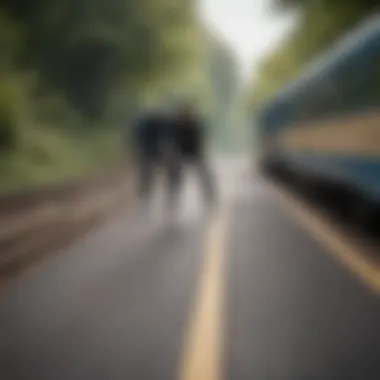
(45, 156)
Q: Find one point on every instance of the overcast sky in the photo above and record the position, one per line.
(248, 26)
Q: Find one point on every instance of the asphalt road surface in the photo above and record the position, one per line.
(240, 292)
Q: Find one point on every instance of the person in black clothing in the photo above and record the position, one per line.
(150, 134)
(188, 134)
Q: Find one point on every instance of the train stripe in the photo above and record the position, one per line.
(358, 135)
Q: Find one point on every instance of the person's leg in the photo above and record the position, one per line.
(174, 180)
(146, 176)
(206, 179)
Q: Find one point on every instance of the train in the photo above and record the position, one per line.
(323, 129)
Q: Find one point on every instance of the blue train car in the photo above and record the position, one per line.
(325, 126)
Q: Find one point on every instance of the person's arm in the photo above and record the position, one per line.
(203, 135)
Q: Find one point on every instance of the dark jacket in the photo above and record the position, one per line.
(150, 132)
(189, 137)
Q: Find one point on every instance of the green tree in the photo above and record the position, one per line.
(320, 24)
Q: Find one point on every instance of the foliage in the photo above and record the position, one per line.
(321, 24)
(74, 73)
(84, 48)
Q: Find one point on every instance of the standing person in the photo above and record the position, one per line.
(150, 131)
(189, 139)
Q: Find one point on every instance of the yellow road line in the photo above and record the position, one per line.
(352, 253)
(202, 351)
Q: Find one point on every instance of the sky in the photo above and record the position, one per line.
(248, 26)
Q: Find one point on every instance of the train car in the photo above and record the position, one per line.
(324, 128)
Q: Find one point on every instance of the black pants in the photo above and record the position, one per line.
(146, 168)
(199, 164)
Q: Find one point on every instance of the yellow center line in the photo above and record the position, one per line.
(202, 350)
(348, 250)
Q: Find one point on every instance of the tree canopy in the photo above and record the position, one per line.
(80, 69)
(83, 48)
(320, 24)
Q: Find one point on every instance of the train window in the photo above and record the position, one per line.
(352, 86)
(344, 89)
(307, 113)
(317, 104)
(313, 102)
(325, 102)
(331, 96)
(363, 80)
(375, 78)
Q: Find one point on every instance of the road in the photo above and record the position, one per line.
(244, 292)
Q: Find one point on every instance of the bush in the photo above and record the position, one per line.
(11, 101)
